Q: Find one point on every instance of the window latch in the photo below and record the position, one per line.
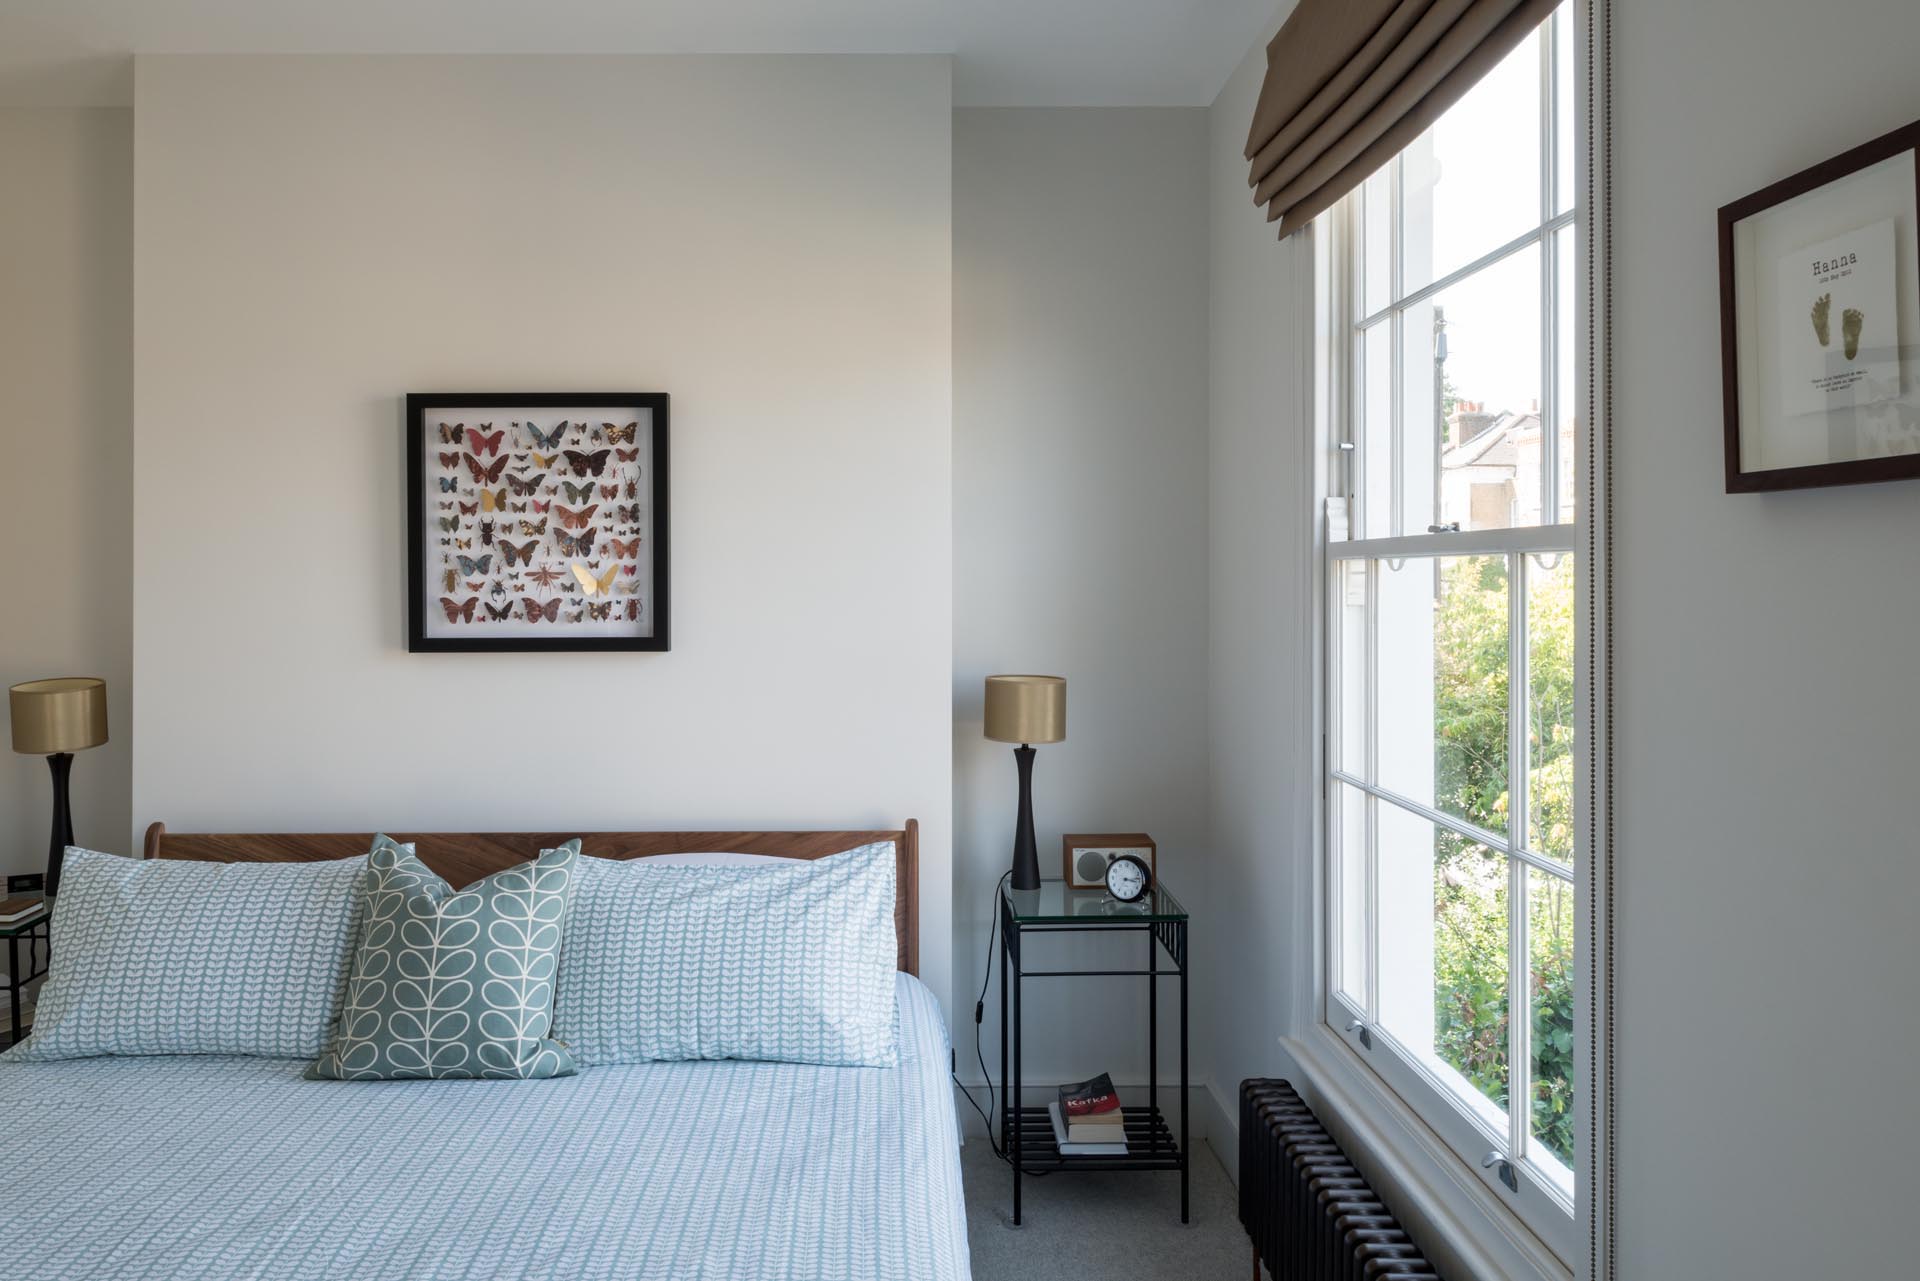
(1502, 1167)
(1451, 527)
(1359, 1026)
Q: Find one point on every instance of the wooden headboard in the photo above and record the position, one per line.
(465, 857)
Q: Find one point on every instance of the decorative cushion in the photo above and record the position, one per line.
(793, 964)
(168, 956)
(449, 984)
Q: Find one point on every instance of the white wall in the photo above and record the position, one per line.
(1080, 531)
(66, 363)
(767, 239)
(1768, 714)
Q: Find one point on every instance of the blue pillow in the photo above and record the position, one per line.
(169, 956)
(791, 963)
(453, 985)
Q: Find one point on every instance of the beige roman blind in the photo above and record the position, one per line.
(1351, 82)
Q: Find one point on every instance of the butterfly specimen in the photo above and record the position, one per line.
(446, 542)
(515, 555)
(618, 548)
(627, 455)
(628, 515)
(524, 485)
(577, 493)
(452, 435)
(533, 528)
(632, 489)
(482, 442)
(449, 524)
(449, 579)
(449, 483)
(536, 611)
(550, 490)
(626, 589)
(575, 615)
(476, 584)
(620, 435)
(468, 509)
(447, 507)
(595, 586)
(583, 462)
(493, 500)
(609, 491)
(600, 611)
(545, 576)
(572, 546)
(571, 519)
(544, 460)
(498, 612)
(464, 544)
(518, 507)
(629, 570)
(486, 473)
(539, 506)
(547, 440)
(459, 613)
(471, 565)
(450, 460)
(486, 533)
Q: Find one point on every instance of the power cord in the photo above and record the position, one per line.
(979, 1018)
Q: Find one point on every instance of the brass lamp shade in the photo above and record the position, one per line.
(65, 714)
(1026, 709)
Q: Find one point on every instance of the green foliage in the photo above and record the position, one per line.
(1471, 888)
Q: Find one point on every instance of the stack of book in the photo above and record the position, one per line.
(1087, 1120)
(20, 908)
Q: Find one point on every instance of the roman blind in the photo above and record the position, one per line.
(1351, 82)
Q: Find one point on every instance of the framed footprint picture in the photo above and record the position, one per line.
(537, 522)
(1820, 322)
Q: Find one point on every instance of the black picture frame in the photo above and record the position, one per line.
(1847, 472)
(422, 594)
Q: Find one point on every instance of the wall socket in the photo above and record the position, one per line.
(27, 883)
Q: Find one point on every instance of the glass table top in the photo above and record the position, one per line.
(1055, 904)
(38, 919)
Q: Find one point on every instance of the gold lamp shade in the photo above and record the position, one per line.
(1026, 709)
(65, 714)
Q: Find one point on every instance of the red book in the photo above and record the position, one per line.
(1089, 1098)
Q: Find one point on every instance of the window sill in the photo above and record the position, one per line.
(1454, 1214)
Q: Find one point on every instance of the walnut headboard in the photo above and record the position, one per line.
(464, 857)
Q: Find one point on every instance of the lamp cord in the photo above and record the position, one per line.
(979, 1018)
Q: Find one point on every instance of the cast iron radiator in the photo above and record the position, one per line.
(1310, 1214)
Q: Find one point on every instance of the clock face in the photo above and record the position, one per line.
(1126, 878)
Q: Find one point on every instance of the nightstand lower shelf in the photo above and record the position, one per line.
(1150, 1144)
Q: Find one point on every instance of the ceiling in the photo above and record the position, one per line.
(1006, 52)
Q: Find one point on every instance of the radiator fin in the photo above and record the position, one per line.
(1311, 1215)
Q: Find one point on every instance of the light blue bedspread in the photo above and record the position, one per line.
(216, 1169)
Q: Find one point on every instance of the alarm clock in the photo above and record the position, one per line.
(1085, 858)
(1128, 879)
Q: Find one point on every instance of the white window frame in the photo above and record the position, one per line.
(1472, 1129)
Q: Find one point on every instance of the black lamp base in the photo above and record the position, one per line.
(61, 763)
(1026, 855)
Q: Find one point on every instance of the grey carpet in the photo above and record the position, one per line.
(1102, 1227)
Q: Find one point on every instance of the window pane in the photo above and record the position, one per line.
(1442, 922)
(1550, 809)
(1440, 712)
(1566, 250)
(1377, 241)
(1550, 992)
(1350, 958)
(1565, 188)
(1476, 395)
(1472, 182)
(1377, 445)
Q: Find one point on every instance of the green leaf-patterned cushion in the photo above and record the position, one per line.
(449, 984)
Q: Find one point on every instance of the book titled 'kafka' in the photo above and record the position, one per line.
(1089, 1097)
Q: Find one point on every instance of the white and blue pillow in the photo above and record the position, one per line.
(790, 964)
(453, 985)
(168, 956)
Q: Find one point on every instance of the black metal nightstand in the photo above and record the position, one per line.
(35, 933)
(1055, 909)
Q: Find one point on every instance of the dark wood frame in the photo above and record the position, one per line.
(465, 857)
(1858, 471)
(658, 537)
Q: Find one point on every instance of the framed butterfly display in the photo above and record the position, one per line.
(537, 522)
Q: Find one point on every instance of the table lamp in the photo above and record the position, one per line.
(56, 718)
(1026, 710)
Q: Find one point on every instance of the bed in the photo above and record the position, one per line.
(220, 1168)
